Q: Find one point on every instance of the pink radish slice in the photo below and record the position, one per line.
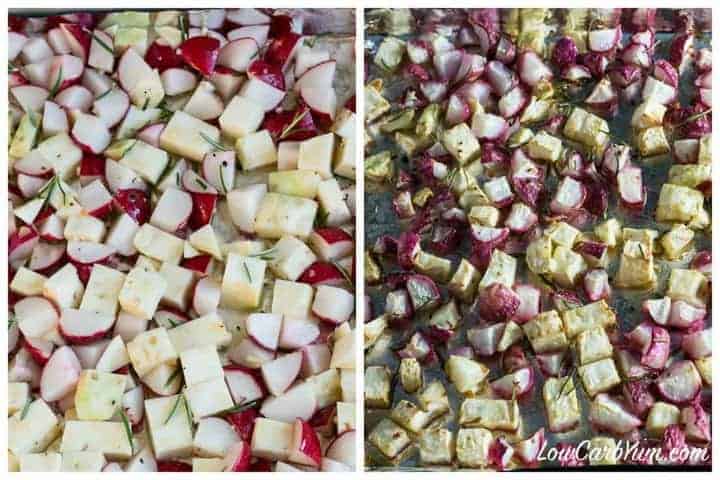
(529, 305)
(680, 383)
(91, 133)
(297, 402)
(485, 340)
(698, 344)
(219, 170)
(33, 164)
(448, 63)
(36, 316)
(500, 77)
(40, 350)
(457, 111)
(52, 229)
(532, 69)
(88, 252)
(305, 446)
(684, 314)
(281, 372)
(630, 186)
(514, 384)
(297, 332)
(46, 256)
(206, 296)
(111, 107)
(238, 457)
(264, 329)
(84, 326)
(603, 98)
(608, 414)
(245, 385)
(513, 102)
(528, 450)
(75, 98)
(249, 354)
(194, 183)
(434, 90)
(551, 363)
(604, 40)
(489, 127)
(173, 210)
(95, 199)
(60, 375)
(596, 284)
(133, 405)
(635, 54)
(29, 186)
(658, 309)
(342, 449)
(320, 76)
(151, 134)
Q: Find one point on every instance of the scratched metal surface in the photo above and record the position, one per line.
(380, 219)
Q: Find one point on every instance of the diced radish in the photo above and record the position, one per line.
(489, 127)
(305, 446)
(88, 252)
(514, 384)
(259, 33)
(500, 77)
(243, 422)
(603, 98)
(46, 258)
(134, 202)
(322, 273)
(684, 314)
(283, 49)
(297, 402)
(219, 170)
(697, 344)
(65, 71)
(281, 372)
(238, 457)
(112, 107)
(529, 450)
(133, 405)
(484, 340)
(39, 349)
(680, 383)
(297, 332)
(434, 90)
(206, 296)
(202, 53)
(630, 186)
(249, 354)
(457, 111)
(245, 385)
(604, 40)
(84, 326)
(596, 284)
(331, 243)
(532, 69)
(36, 316)
(521, 218)
(448, 63)
(513, 102)
(91, 133)
(342, 449)
(172, 211)
(78, 38)
(60, 375)
(607, 413)
(658, 309)
(76, 98)
(264, 329)
(151, 134)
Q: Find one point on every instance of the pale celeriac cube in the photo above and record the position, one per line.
(688, 285)
(34, 432)
(150, 349)
(389, 438)
(596, 314)
(500, 270)
(437, 446)
(180, 282)
(561, 403)
(148, 161)
(84, 228)
(473, 447)
(545, 332)
(103, 290)
(493, 414)
(157, 244)
(409, 416)
(271, 439)
(280, 215)
(28, 283)
(64, 287)
(242, 281)
(208, 398)
(377, 387)
(256, 150)
(203, 331)
(108, 438)
(242, 116)
(332, 202)
(292, 298)
(183, 136)
(599, 376)
(40, 462)
(290, 258)
(316, 154)
(98, 395)
(200, 364)
(141, 292)
(170, 432)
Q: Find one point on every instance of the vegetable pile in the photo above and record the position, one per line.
(545, 279)
(181, 243)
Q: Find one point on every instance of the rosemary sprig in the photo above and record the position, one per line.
(26, 408)
(247, 272)
(187, 411)
(12, 67)
(291, 126)
(239, 408)
(100, 41)
(11, 321)
(183, 28)
(265, 254)
(693, 117)
(104, 94)
(214, 143)
(173, 409)
(321, 218)
(202, 183)
(174, 375)
(222, 179)
(147, 102)
(562, 391)
(128, 430)
(343, 272)
(58, 82)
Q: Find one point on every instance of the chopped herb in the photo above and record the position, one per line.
(128, 431)
(11, 321)
(343, 272)
(177, 371)
(239, 408)
(183, 28)
(562, 391)
(321, 218)
(247, 272)
(104, 94)
(222, 179)
(100, 42)
(214, 143)
(202, 184)
(128, 149)
(26, 408)
(174, 408)
(173, 324)
(58, 82)
(187, 411)
(310, 42)
(265, 254)
(147, 102)
(291, 126)
(12, 68)
(694, 117)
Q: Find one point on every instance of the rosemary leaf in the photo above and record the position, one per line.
(291, 126)
(343, 272)
(187, 411)
(247, 272)
(26, 408)
(104, 94)
(265, 254)
(222, 179)
(174, 375)
(128, 430)
(100, 41)
(58, 82)
(239, 408)
(174, 409)
(213, 143)
(147, 102)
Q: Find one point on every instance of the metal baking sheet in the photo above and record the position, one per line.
(380, 219)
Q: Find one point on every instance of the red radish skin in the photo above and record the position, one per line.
(201, 53)
(243, 422)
